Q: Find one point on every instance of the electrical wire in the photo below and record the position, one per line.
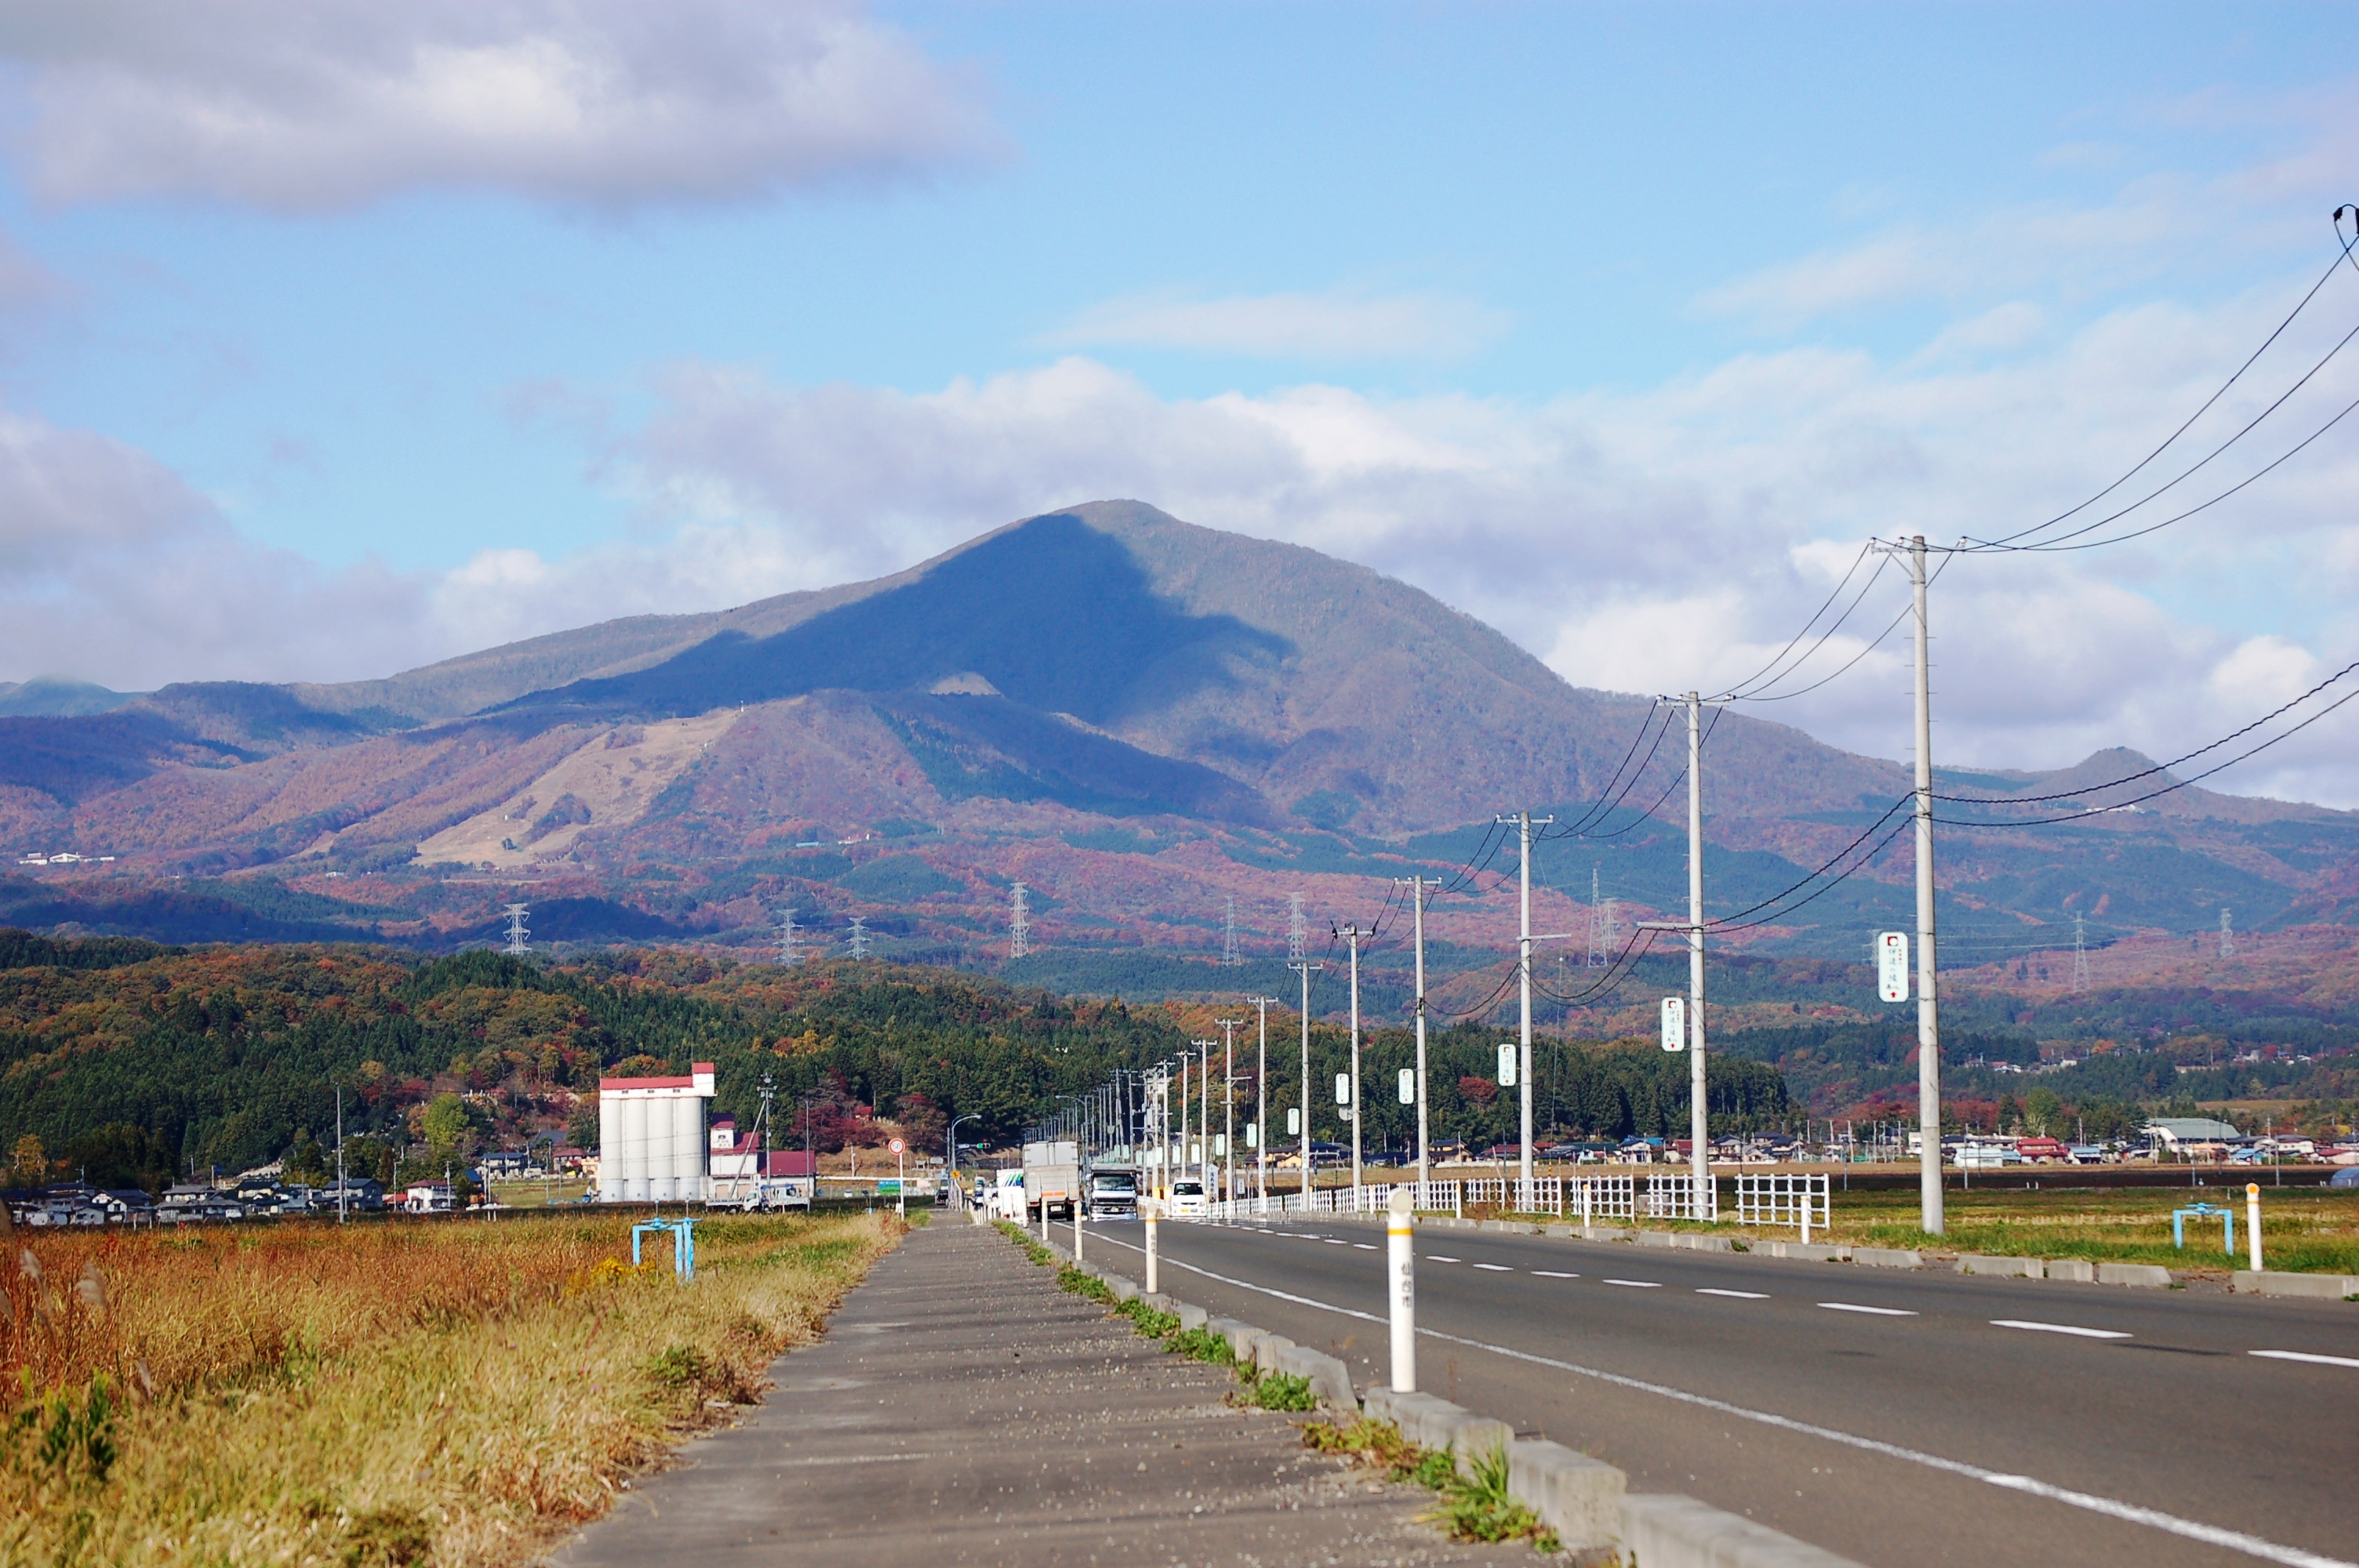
(1602, 804)
(1750, 690)
(2332, 267)
(2158, 767)
(1755, 678)
(2151, 795)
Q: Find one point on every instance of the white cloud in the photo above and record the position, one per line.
(1335, 325)
(605, 103)
(1646, 542)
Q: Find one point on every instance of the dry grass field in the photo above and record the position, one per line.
(453, 1392)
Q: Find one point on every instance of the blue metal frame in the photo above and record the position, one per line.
(2227, 1217)
(683, 1244)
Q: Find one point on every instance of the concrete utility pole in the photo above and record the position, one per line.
(1351, 934)
(1229, 1105)
(1417, 898)
(1261, 1100)
(1304, 968)
(1928, 1000)
(339, 1154)
(1183, 1108)
(1523, 821)
(1204, 1112)
(1699, 1105)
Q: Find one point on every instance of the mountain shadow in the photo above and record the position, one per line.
(1053, 614)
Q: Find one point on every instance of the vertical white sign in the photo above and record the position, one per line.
(1294, 1121)
(1892, 966)
(1675, 1023)
(1253, 1134)
(1507, 1064)
(1408, 1086)
(1343, 1088)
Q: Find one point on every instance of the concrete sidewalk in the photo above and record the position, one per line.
(963, 1410)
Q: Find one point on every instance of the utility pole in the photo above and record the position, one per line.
(1699, 1105)
(1929, 1003)
(1304, 968)
(1229, 1105)
(1523, 821)
(339, 1154)
(1204, 1111)
(1183, 1108)
(1261, 1100)
(1351, 934)
(1416, 903)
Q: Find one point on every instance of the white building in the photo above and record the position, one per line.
(651, 1138)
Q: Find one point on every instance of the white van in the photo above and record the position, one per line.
(1188, 1199)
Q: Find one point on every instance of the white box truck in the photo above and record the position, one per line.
(1052, 1178)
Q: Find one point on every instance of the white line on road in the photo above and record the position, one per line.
(2065, 1328)
(1553, 1274)
(1494, 1268)
(1855, 1306)
(1740, 1295)
(1637, 1284)
(1371, 1247)
(2306, 1356)
(1438, 1258)
(859, 1459)
(2154, 1518)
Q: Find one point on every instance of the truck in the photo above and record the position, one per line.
(1113, 1191)
(1052, 1178)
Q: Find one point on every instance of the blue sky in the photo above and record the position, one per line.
(333, 345)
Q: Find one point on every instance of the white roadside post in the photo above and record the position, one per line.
(901, 1185)
(1400, 1233)
(2253, 1220)
(1806, 1212)
(1152, 1209)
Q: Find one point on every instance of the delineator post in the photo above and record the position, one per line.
(1400, 1266)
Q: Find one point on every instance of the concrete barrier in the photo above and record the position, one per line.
(1886, 1257)
(1606, 1233)
(2016, 1267)
(1191, 1316)
(1432, 1423)
(1329, 1379)
(1693, 1242)
(1575, 1496)
(1269, 1348)
(2079, 1269)
(2152, 1275)
(1667, 1530)
(1123, 1290)
(2331, 1287)
(1513, 1227)
(1157, 1301)
(1657, 1239)
(1811, 1253)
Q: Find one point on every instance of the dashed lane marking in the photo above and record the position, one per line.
(2065, 1328)
(1879, 1312)
(2306, 1356)
(1740, 1295)
(1637, 1284)
(1553, 1274)
(1495, 1267)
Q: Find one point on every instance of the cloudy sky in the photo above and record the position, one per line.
(339, 337)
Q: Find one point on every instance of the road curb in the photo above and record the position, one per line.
(2331, 1287)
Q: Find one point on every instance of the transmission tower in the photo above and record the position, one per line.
(520, 939)
(859, 937)
(1294, 928)
(2227, 935)
(1230, 958)
(790, 950)
(1020, 923)
(1600, 925)
(2079, 953)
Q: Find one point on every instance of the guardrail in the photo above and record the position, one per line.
(1803, 1201)
(1586, 1198)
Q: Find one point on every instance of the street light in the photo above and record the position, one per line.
(962, 1121)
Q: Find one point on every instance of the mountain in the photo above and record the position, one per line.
(1138, 718)
(55, 697)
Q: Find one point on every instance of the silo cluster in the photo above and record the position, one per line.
(651, 1138)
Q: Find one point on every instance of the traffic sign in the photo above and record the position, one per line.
(1408, 1086)
(1506, 1064)
(896, 1146)
(1892, 966)
(1675, 1023)
(1293, 1120)
(1343, 1088)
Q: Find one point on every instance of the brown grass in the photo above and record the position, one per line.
(450, 1392)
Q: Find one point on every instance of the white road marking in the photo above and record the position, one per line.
(1495, 1267)
(1334, 1241)
(2130, 1513)
(1438, 1258)
(2306, 1356)
(1371, 1247)
(1880, 1312)
(2067, 1328)
(1740, 1295)
(1637, 1284)
(1552, 1274)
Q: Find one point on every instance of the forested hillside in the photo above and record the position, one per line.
(129, 1062)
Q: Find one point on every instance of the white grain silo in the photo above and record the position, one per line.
(652, 1140)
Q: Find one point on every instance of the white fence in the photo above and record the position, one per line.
(1802, 1201)
(1588, 1199)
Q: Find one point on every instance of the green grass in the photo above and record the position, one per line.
(2303, 1229)
(1281, 1391)
(1473, 1502)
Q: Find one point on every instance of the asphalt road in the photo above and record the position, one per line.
(1898, 1417)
